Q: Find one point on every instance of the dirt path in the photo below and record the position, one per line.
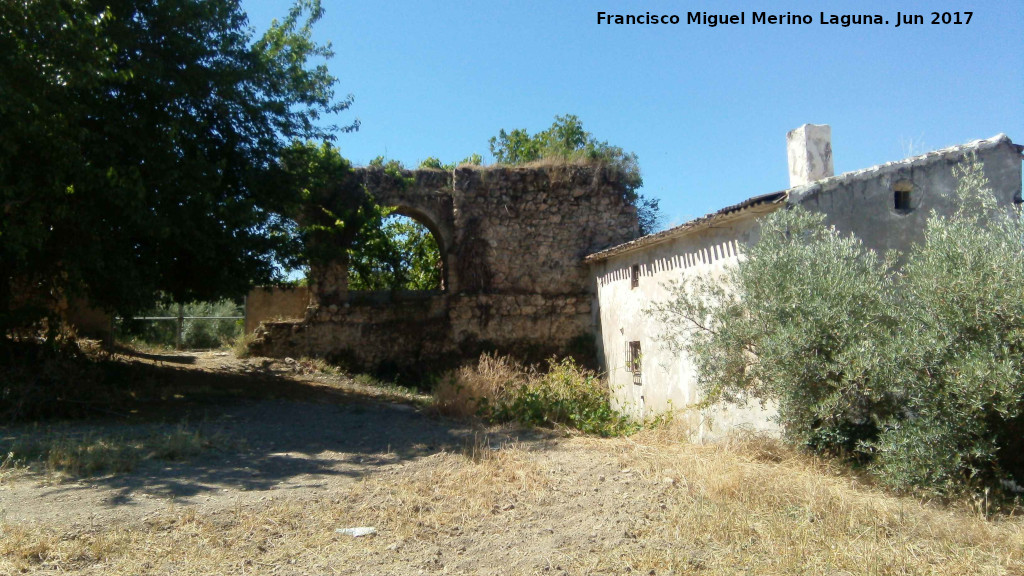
(256, 451)
(286, 465)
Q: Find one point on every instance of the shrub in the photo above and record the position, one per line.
(961, 347)
(199, 333)
(499, 389)
(799, 321)
(917, 370)
(460, 394)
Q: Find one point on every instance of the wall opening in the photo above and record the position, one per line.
(401, 254)
(633, 360)
(901, 196)
(634, 276)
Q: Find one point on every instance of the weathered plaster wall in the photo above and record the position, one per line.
(668, 381)
(513, 241)
(862, 202)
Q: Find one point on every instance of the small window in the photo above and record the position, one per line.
(901, 196)
(633, 359)
(634, 276)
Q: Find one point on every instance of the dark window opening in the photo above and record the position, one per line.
(901, 199)
(634, 276)
(901, 196)
(633, 360)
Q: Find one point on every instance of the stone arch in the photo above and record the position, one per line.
(435, 230)
(424, 196)
(512, 243)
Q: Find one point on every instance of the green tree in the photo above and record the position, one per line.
(332, 207)
(397, 254)
(344, 232)
(567, 140)
(139, 146)
(961, 348)
(433, 162)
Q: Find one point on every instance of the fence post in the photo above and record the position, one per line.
(181, 326)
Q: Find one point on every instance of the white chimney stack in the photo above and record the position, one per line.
(810, 153)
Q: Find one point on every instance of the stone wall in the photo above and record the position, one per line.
(512, 241)
(270, 304)
(527, 230)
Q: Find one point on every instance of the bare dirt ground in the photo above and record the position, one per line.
(258, 450)
(280, 474)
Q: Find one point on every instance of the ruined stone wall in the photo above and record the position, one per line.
(512, 240)
(526, 230)
(438, 331)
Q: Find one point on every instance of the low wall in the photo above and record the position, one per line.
(270, 304)
(412, 336)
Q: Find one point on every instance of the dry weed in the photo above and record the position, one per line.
(460, 394)
(442, 495)
(752, 502)
(63, 455)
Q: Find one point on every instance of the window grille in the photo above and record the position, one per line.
(633, 360)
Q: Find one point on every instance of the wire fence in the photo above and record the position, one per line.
(182, 323)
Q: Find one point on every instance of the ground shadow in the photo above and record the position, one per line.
(162, 357)
(265, 430)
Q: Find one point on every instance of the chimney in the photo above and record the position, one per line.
(810, 153)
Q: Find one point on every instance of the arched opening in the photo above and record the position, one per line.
(403, 253)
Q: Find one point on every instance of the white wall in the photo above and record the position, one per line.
(668, 378)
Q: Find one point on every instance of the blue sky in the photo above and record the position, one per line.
(705, 109)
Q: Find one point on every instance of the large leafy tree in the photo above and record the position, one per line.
(566, 139)
(139, 148)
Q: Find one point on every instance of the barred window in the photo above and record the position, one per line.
(633, 360)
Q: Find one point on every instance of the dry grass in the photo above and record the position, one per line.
(746, 506)
(59, 455)
(753, 503)
(8, 466)
(415, 510)
(240, 345)
(493, 378)
(499, 389)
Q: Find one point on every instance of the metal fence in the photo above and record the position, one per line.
(180, 320)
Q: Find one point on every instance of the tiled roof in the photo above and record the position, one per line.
(683, 229)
